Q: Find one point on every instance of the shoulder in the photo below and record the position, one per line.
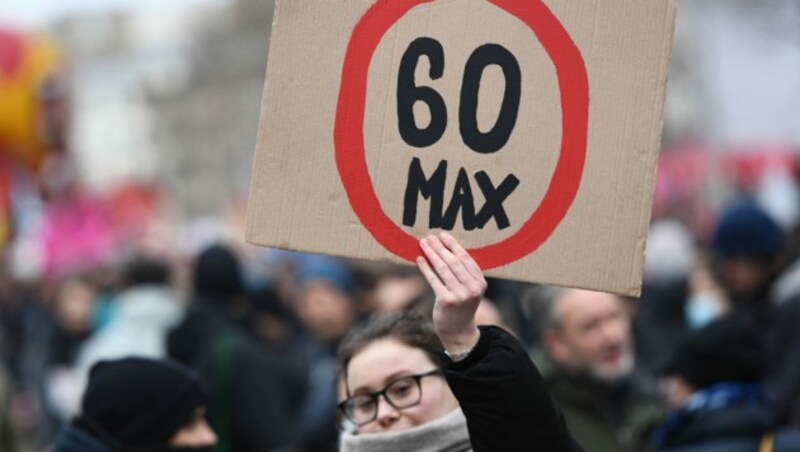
(73, 438)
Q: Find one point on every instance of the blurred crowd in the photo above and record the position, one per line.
(710, 352)
(707, 359)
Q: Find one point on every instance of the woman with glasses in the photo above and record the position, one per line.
(412, 385)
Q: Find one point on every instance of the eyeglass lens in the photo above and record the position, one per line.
(402, 393)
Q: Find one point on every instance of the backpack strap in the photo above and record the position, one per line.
(222, 416)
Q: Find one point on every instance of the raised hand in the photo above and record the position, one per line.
(458, 284)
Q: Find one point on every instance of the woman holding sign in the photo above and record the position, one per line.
(449, 386)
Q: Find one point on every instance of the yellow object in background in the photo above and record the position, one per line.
(32, 100)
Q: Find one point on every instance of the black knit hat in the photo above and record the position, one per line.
(141, 402)
(217, 274)
(730, 349)
(745, 230)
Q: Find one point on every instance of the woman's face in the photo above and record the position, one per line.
(383, 362)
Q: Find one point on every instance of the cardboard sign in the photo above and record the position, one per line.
(527, 128)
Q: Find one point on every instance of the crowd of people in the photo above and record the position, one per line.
(236, 351)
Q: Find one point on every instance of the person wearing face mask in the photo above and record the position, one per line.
(446, 386)
(140, 405)
(706, 302)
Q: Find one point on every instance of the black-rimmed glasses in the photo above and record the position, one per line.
(402, 393)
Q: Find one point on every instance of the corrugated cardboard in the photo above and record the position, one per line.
(583, 146)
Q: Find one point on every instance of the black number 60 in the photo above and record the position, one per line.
(408, 93)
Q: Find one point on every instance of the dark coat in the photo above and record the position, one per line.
(659, 325)
(783, 347)
(80, 436)
(605, 417)
(504, 399)
(247, 407)
(76, 439)
(736, 428)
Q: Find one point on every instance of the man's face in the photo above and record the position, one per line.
(325, 311)
(593, 334)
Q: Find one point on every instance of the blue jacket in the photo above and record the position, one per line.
(786, 440)
(736, 425)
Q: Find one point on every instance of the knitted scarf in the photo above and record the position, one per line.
(446, 434)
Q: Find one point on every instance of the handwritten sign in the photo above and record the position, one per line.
(529, 129)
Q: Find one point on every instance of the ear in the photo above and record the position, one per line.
(555, 346)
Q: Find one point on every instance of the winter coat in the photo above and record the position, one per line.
(144, 316)
(76, 439)
(80, 436)
(604, 417)
(247, 408)
(504, 398)
(738, 428)
(783, 352)
(8, 434)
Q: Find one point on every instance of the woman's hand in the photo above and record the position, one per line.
(459, 286)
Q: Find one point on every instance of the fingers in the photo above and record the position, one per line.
(441, 260)
(436, 284)
(463, 256)
(454, 268)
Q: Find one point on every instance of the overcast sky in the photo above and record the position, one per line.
(38, 13)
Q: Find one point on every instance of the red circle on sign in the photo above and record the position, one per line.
(351, 159)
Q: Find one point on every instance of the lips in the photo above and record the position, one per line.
(612, 355)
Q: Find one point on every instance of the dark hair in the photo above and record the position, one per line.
(217, 273)
(407, 327)
(731, 348)
(142, 271)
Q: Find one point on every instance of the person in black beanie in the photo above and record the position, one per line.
(746, 250)
(140, 405)
(715, 385)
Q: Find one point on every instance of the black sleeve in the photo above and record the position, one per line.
(504, 398)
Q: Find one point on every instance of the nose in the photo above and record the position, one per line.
(206, 434)
(387, 414)
(615, 331)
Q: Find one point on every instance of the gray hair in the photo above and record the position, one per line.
(538, 304)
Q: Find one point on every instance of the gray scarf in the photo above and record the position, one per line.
(446, 434)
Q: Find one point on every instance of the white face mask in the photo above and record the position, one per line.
(701, 309)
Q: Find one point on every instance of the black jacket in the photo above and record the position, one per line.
(76, 439)
(736, 428)
(248, 407)
(80, 436)
(783, 343)
(504, 398)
